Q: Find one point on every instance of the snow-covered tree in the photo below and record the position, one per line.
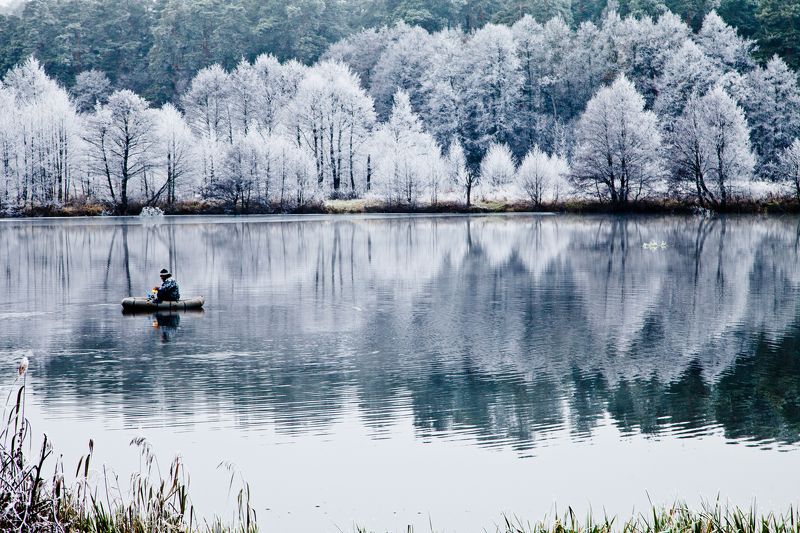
(91, 87)
(39, 138)
(173, 145)
(401, 67)
(400, 152)
(589, 63)
(723, 44)
(789, 166)
(362, 50)
(436, 164)
(542, 177)
(291, 172)
(528, 43)
(459, 172)
(642, 46)
(771, 101)
(120, 136)
(497, 167)
(241, 173)
(710, 147)
(331, 116)
(276, 85)
(687, 71)
(444, 110)
(618, 145)
(493, 84)
(207, 104)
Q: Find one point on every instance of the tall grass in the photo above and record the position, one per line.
(678, 518)
(32, 500)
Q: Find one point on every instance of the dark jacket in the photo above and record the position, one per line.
(168, 292)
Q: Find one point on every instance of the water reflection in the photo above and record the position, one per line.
(512, 331)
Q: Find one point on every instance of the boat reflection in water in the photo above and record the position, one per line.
(166, 323)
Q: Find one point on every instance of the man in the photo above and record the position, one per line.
(168, 292)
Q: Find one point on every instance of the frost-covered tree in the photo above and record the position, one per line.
(401, 66)
(444, 110)
(789, 166)
(39, 139)
(618, 146)
(208, 110)
(400, 152)
(331, 116)
(173, 145)
(362, 50)
(291, 171)
(589, 63)
(497, 167)
(462, 177)
(542, 177)
(120, 136)
(723, 44)
(275, 85)
(207, 104)
(771, 101)
(710, 147)
(642, 46)
(528, 44)
(437, 172)
(245, 92)
(91, 87)
(241, 173)
(687, 71)
(493, 84)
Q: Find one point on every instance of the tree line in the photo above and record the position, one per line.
(627, 109)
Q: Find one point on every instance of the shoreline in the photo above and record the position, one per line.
(776, 206)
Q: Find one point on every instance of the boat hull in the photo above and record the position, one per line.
(143, 304)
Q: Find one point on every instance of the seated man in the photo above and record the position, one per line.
(168, 292)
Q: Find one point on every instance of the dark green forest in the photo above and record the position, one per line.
(155, 46)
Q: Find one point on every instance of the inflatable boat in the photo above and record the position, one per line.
(143, 304)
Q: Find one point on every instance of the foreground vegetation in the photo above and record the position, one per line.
(35, 496)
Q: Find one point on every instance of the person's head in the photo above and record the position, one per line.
(164, 274)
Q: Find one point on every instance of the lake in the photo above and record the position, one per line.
(444, 370)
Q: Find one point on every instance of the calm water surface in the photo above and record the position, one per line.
(395, 370)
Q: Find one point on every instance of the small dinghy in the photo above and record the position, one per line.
(143, 304)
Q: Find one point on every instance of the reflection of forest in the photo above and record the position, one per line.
(505, 327)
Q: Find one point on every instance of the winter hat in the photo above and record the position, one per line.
(164, 273)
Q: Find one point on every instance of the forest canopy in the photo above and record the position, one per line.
(154, 47)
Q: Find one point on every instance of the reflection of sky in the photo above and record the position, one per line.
(342, 352)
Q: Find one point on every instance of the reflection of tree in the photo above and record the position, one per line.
(504, 328)
(760, 397)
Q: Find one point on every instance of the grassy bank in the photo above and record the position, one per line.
(35, 496)
(357, 206)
